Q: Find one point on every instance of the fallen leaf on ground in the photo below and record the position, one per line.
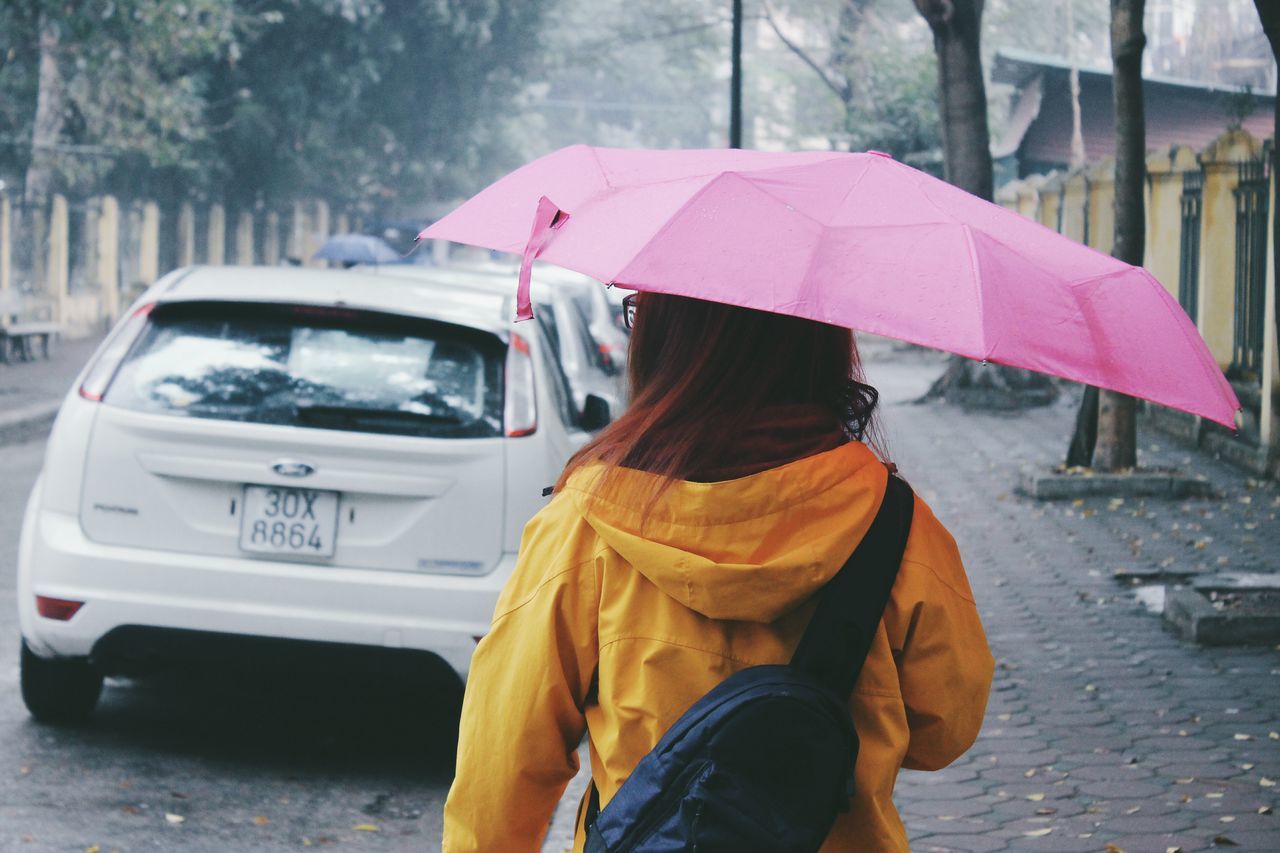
(1226, 818)
(1173, 850)
(1133, 810)
(1214, 795)
(1264, 809)
(261, 820)
(366, 827)
(1111, 848)
(174, 818)
(1185, 780)
(1038, 833)
(1267, 783)
(1239, 736)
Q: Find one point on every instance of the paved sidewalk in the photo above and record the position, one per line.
(1104, 732)
(1103, 729)
(30, 392)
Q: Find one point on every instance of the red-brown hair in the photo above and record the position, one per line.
(698, 370)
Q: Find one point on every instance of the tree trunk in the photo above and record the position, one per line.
(966, 140)
(962, 94)
(1085, 437)
(47, 126)
(1117, 430)
(1269, 12)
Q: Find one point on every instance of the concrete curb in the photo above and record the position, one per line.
(27, 422)
(1055, 485)
(1193, 617)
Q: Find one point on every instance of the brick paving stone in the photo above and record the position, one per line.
(958, 772)
(1023, 809)
(1158, 843)
(957, 791)
(1049, 789)
(947, 808)
(1116, 808)
(1260, 840)
(1129, 790)
(1000, 775)
(967, 843)
(1112, 772)
(954, 825)
(1147, 824)
(1065, 843)
(1196, 770)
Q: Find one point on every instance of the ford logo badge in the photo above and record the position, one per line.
(293, 468)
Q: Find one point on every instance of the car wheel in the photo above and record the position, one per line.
(59, 690)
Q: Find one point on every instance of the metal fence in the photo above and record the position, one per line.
(1189, 243)
(81, 261)
(1251, 196)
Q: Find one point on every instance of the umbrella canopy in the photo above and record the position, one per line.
(856, 240)
(357, 249)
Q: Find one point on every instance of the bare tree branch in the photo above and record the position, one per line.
(841, 90)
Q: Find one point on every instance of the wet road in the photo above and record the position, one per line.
(209, 760)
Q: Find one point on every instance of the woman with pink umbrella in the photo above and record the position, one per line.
(752, 619)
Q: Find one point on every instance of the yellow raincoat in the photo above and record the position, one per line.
(612, 633)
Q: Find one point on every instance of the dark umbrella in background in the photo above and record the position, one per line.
(351, 249)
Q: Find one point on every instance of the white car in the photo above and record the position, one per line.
(564, 302)
(308, 455)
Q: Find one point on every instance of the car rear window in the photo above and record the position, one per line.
(317, 367)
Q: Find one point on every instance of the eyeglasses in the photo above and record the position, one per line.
(629, 310)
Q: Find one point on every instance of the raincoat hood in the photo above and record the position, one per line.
(715, 548)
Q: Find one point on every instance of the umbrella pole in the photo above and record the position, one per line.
(735, 79)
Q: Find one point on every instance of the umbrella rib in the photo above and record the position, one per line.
(974, 269)
(604, 173)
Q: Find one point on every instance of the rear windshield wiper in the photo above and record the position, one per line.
(359, 416)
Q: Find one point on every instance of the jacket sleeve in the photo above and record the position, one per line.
(522, 715)
(944, 666)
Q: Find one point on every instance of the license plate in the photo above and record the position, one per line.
(279, 520)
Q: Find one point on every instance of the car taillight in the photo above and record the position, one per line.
(520, 411)
(99, 376)
(60, 609)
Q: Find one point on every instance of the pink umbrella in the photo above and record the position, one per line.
(856, 240)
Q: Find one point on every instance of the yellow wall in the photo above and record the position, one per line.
(1102, 206)
(1073, 206)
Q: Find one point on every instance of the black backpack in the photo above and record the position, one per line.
(764, 761)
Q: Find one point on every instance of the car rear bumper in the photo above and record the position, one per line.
(121, 587)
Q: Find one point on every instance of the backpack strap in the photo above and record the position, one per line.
(839, 637)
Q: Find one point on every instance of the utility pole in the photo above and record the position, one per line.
(735, 79)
